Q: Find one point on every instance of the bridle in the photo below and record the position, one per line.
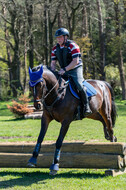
(44, 95)
(34, 92)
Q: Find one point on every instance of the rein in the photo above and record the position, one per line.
(48, 108)
(50, 90)
(44, 96)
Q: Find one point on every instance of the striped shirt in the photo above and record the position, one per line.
(73, 49)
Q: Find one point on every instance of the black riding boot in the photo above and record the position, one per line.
(85, 102)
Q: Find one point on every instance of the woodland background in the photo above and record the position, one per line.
(27, 31)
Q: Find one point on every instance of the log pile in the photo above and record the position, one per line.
(73, 155)
(36, 114)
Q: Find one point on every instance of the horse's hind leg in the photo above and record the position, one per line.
(108, 120)
(98, 116)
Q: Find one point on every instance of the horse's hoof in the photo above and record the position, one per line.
(53, 172)
(30, 165)
(32, 162)
(115, 139)
(54, 167)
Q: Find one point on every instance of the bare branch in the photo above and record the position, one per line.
(80, 3)
(4, 60)
(5, 19)
(6, 41)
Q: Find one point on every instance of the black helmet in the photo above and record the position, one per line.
(62, 32)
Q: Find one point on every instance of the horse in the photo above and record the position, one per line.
(60, 105)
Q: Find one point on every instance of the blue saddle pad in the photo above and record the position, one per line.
(90, 90)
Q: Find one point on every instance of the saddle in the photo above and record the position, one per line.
(89, 89)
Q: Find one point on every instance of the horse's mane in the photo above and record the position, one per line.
(36, 68)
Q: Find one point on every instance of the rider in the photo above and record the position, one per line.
(68, 54)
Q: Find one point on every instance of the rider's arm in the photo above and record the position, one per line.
(73, 63)
(53, 65)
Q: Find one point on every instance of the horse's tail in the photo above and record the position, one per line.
(114, 110)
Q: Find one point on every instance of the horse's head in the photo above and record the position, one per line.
(36, 83)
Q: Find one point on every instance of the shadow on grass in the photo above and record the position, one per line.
(28, 178)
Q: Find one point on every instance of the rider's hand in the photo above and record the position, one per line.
(61, 72)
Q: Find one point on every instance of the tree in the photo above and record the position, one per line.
(101, 41)
(71, 9)
(27, 36)
(13, 49)
(119, 49)
(84, 30)
(29, 11)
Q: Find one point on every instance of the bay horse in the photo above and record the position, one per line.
(61, 105)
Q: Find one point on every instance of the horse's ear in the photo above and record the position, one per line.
(41, 70)
(30, 71)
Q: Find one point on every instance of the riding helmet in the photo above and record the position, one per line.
(62, 32)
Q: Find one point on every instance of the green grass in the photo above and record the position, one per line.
(86, 130)
(66, 179)
(12, 130)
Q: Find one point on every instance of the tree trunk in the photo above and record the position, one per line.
(25, 85)
(124, 17)
(0, 84)
(60, 20)
(119, 52)
(102, 41)
(13, 63)
(29, 8)
(84, 31)
(46, 31)
(9, 57)
(15, 73)
(51, 23)
(71, 17)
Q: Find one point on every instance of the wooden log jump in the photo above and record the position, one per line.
(73, 155)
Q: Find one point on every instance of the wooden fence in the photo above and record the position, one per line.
(111, 156)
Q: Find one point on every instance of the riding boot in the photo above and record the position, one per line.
(85, 101)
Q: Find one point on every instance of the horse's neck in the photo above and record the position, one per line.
(52, 86)
(50, 79)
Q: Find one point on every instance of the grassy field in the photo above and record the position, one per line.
(12, 130)
(66, 179)
(86, 130)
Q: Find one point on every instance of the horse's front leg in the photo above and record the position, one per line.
(55, 165)
(44, 126)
